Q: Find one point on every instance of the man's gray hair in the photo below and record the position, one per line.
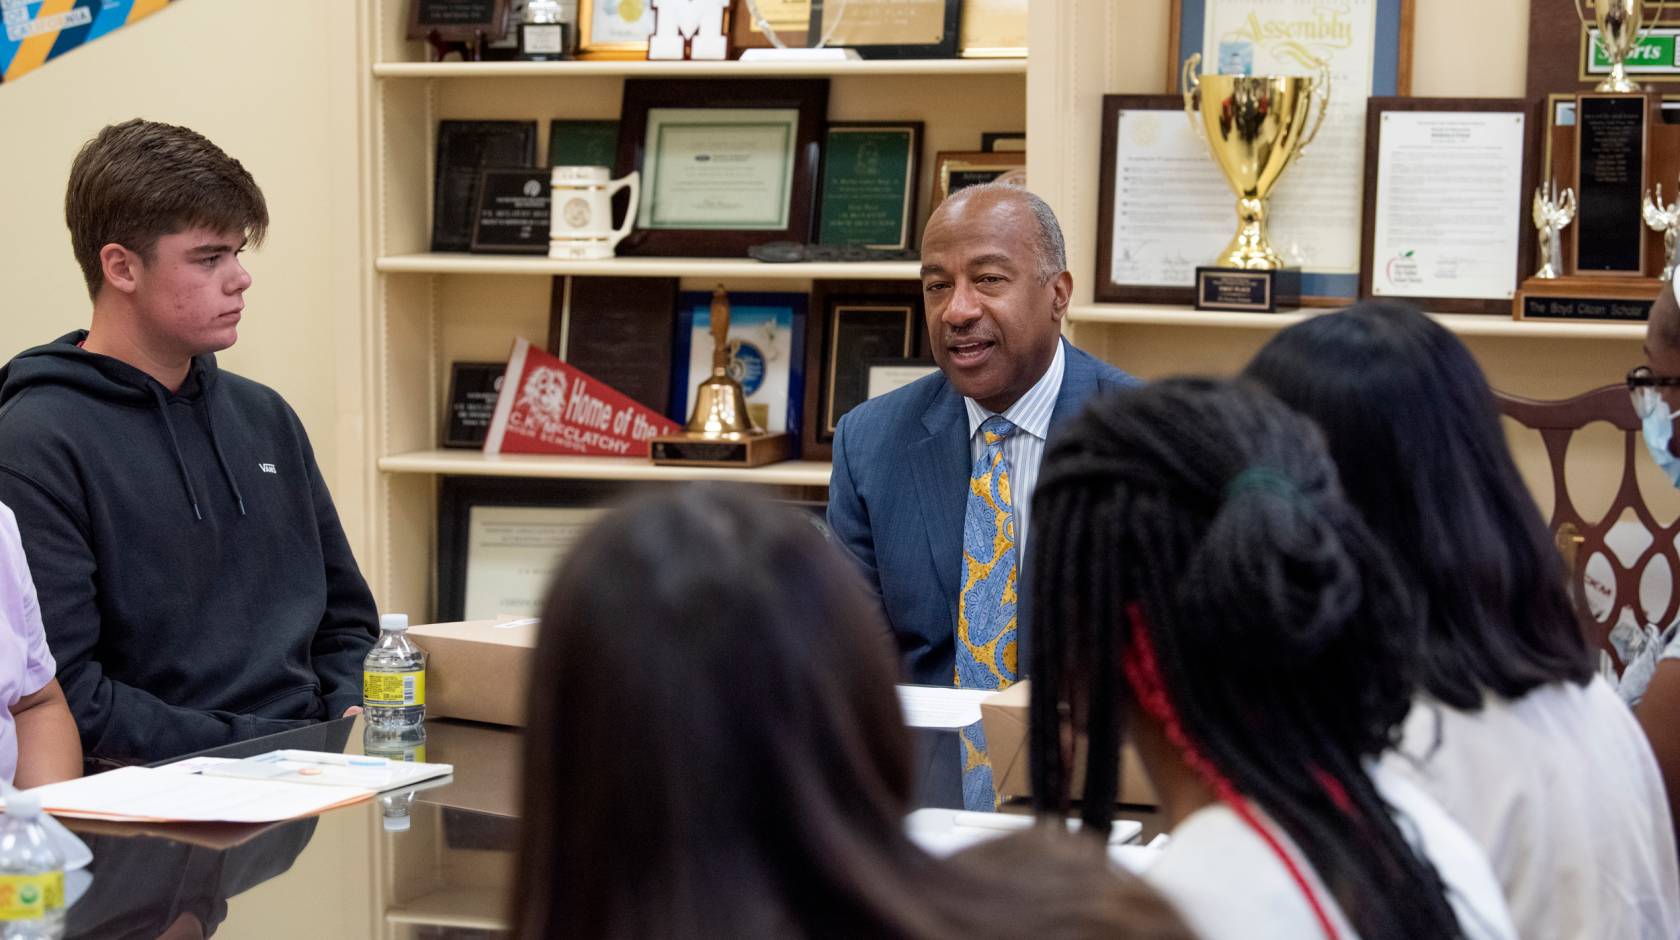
(1051, 246)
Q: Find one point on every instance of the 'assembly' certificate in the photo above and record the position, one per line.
(719, 168)
(1449, 204)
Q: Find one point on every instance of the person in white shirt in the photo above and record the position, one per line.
(1204, 589)
(1513, 732)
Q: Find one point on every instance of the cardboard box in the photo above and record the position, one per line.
(478, 670)
(1004, 717)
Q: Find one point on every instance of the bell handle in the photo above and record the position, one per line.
(1192, 85)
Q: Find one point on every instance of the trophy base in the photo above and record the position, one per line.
(735, 450)
(1245, 291)
(1573, 297)
(824, 54)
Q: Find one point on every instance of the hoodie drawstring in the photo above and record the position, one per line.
(216, 445)
(180, 462)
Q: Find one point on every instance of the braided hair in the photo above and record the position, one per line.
(1194, 558)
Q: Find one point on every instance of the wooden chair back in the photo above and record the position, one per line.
(1581, 539)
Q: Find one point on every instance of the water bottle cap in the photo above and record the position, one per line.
(398, 823)
(23, 805)
(395, 623)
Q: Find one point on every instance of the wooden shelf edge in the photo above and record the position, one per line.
(631, 469)
(728, 69)
(456, 263)
(1459, 323)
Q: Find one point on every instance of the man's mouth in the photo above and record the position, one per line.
(971, 352)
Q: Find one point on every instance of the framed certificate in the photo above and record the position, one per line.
(719, 178)
(499, 541)
(1446, 197)
(993, 29)
(614, 29)
(954, 169)
(1163, 206)
(1315, 209)
(890, 375)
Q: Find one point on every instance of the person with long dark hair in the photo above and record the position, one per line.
(1203, 586)
(715, 749)
(1512, 733)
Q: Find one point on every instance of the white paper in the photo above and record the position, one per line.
(944, 832)
(1315, 210)
(511, 553)
(138, 794)
(884, 379)
(1449, 205)
(1173, 209)
(931, 706)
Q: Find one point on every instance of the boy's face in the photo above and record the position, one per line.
(191, 293)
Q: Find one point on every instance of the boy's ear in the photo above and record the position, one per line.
(120, 267)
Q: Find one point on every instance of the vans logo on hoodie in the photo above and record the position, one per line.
(267, 468)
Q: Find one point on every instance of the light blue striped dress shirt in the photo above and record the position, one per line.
(1025, 448)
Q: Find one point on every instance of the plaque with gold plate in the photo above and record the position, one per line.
(1255, 127)
(720, 431)
(1606, 235)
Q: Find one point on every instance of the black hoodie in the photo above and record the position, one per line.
(194, 581)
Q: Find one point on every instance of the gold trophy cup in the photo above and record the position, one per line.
(1621, 28)
(1255, 127)
(720, 432)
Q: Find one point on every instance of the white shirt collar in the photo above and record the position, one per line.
(1031, 412)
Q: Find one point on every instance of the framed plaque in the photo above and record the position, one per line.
(766, 354)
(614, 29)
(869, 182)
(993, 29)
(890, 29)
(1163, 206)
(457, 20)
(473, 388)
(1447, 186)
(512, 217)
(582, 143)
(464, 150)
(787, 17)
(1611, 148)
(954, 169)
(1367, 44)
(620, 330)
(719, 178)
(858, 322)
(499, 541)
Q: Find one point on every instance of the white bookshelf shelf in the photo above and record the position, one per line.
(730, 69)
(449, 263)
(631, 469)
(1460, 323)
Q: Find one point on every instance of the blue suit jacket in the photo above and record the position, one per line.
(897, 498)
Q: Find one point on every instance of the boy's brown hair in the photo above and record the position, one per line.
(141, 180)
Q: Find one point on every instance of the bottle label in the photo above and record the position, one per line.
(394, 689)
(31, 897)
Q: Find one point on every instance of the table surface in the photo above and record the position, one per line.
(343, 874)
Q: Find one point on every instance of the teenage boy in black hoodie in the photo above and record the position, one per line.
(194, 580)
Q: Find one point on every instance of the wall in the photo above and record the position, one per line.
(274, 85)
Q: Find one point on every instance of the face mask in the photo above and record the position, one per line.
(1657, 427)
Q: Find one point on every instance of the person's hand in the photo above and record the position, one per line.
(352, 710)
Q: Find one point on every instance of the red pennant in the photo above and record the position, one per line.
(548, 407)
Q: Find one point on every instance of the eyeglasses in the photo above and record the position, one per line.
(1643, 385)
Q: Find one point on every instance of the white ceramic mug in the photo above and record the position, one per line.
(580, 226)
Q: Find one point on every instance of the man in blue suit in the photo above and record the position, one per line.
(932, 484)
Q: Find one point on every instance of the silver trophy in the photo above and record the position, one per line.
(1664, 217)
(777, 42)
(1553, 210)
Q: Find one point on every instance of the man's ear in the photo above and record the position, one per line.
(1062, 285)
(120, 267)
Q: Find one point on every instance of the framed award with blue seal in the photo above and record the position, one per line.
(766, 355)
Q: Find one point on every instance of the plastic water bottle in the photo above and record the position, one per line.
(31, 874)
(394, 678)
